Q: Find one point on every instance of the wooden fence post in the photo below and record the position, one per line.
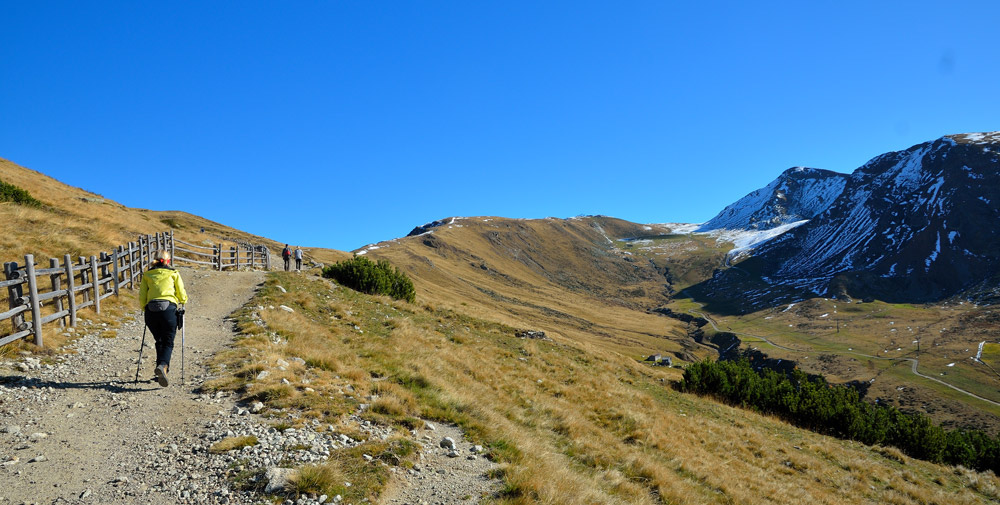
(218, 256)
(14, 294)
(36, 312)
(116, 255)
(56, 286)
(71, 295)
(84, 273)
(131, 265)
(105, 258)
(171, 244)
(234, 252)
(95, 283)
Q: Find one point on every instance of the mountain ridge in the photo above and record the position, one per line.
(910, 225)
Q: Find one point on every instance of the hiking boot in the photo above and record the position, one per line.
(161, 375)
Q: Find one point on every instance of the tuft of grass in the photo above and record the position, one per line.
(282, 425)
(320, 479)
(892, 454)
(231, 443)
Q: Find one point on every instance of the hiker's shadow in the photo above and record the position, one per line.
(111, 386)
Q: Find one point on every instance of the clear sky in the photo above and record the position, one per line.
(340, 123)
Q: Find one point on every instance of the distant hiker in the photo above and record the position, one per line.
(286, 255)
(298, 259)
(160, 291)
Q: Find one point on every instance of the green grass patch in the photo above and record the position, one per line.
(991, 355)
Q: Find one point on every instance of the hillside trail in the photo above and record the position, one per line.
(81, 431)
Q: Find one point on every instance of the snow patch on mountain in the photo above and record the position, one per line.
(744, 241)
(800, 193)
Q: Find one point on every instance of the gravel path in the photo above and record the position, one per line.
(78, 430)
(448, 473)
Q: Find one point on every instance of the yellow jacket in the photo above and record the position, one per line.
(162, 283)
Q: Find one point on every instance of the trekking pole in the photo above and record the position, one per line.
(180, 322)
(143, 344)
(182, 355)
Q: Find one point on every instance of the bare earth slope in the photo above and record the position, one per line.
(96, 433)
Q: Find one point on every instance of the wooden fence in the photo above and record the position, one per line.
(75, 286)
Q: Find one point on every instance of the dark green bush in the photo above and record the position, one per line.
(14, 194)
(812, 403)
(381, 278)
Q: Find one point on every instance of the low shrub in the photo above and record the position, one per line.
(812, 403)
(373, 278)
(14, 194)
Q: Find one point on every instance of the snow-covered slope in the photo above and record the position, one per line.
(797, 194)
(918, 224)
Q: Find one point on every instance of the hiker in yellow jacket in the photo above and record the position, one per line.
(160, 291)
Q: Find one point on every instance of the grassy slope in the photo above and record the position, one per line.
(565, 277)
(578, 420)
(79, 222)
(571, 422)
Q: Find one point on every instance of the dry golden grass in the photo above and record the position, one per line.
(231, 443)
(565, 277)
(569, 422)
(80, 223)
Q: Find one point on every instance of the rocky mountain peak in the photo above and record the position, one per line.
(799, 193)
(917, 224)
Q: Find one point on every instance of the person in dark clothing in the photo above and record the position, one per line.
(286, 254)
(160, 291)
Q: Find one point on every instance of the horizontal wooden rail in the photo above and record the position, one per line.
(14, 337)
(179, 241)
(13, 312)
(208, 255)
(212, 263)
(13, 282)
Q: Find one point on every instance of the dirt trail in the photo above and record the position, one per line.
(80, 431)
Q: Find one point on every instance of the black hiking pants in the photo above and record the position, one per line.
(287, 262)
(163, 325)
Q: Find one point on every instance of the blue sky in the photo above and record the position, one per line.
(342, 123)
